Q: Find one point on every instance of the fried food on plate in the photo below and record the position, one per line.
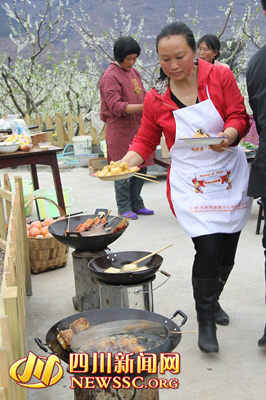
(201, 134)
(114, 169)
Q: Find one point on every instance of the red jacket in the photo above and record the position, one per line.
(158, 117)
(158, 106)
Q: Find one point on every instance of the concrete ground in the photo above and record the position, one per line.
(238, 371)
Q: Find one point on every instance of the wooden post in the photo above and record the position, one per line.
(81, 125)
(49, 125)
(38, 121)
(16, 332)
(6, 359)
(59, 130)
(70, 125)
(2, 222)
(7, 186)
(23, 236)
(27, 120)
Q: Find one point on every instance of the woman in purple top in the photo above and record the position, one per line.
(122, 95)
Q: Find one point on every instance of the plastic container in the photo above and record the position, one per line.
(84, 159)
(27, 194)
(82, 145)
(103, 147)
(47, 209)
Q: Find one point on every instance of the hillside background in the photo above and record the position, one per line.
(211, 20)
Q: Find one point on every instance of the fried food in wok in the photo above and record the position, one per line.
(65, 336)
(124, 343)
(125, 268)
(116, 169)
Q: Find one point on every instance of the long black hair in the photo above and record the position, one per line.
(212, 42)
(176, 28)
(124, 46)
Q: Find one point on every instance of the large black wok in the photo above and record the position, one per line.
(100, 316)
(117, 259)
(81, 242)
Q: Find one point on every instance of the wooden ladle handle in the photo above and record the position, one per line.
(150, 255)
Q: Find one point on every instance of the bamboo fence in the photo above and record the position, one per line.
(16, 284)
(65, 128)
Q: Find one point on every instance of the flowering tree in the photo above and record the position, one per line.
(34, 81)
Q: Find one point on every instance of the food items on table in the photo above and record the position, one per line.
(201, 134)
(114, 169)
(65, 336)
(24, 141)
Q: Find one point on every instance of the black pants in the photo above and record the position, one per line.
(212, 251)
(127, 193)
(263, 199)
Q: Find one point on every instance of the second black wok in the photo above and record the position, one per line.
(99, 265)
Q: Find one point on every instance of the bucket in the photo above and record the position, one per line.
(103, 147)
(47, 209)
(82, 145)
(27, 194)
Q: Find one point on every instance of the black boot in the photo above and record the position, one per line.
(221, 317)
(262, 340)
(206, 292)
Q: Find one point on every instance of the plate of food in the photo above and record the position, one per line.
(116, 171)
(202, 139)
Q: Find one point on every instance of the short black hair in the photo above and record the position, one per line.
(212, 42)
(124, 46)
(172, 29)
(263, 3)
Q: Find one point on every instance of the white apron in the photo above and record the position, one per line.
(208, 189)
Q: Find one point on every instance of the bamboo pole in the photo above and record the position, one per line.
(25, 258)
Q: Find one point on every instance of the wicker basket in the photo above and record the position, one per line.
(39, 137)
(46, 253)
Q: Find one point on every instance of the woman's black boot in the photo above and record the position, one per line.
(206, 292)
(221, 317)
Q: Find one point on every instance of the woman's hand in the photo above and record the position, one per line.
(230, 135)
(133, 159)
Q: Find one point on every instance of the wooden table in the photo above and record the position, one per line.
(163, 162)
(33, 157)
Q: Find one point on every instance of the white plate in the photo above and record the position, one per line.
(6, 147)
(203, 141)
(115, 177)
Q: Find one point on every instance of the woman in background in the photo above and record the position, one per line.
(122, 95)
(209, 49)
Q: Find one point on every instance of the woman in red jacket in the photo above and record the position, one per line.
(207, 184)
